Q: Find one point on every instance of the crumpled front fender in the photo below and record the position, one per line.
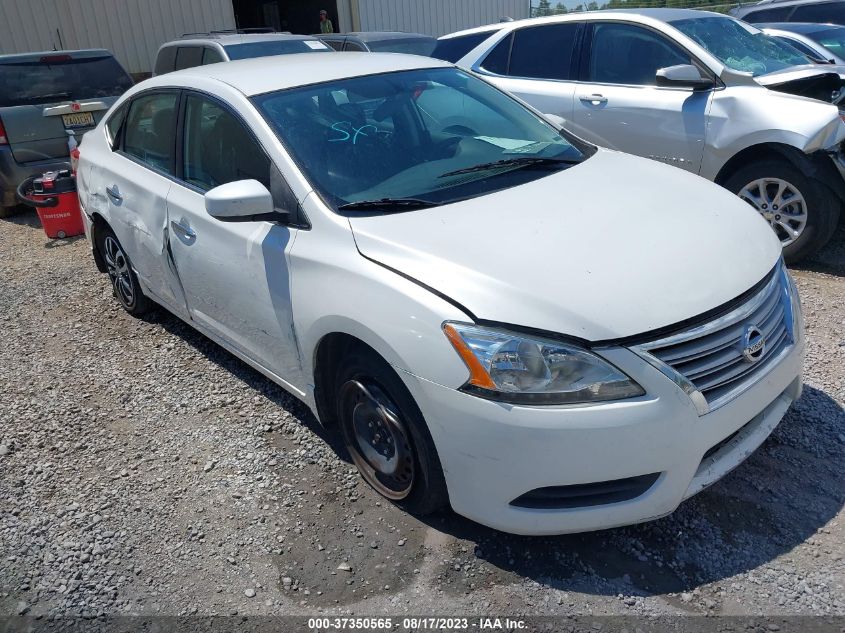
(745, 116)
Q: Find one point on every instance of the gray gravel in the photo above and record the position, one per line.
(145, 470)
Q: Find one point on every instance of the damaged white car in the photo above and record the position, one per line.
(698, 90)
(494, 314)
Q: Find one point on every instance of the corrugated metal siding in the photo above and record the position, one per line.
(436, 17)
(132, 29)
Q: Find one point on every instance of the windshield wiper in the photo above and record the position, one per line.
(524, 161)
(388, 204)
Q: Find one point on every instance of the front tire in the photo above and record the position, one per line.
(386, 436)
(124, 282)
(801, 210)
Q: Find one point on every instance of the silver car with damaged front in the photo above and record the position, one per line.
(694, 89)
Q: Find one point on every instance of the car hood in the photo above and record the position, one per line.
(613, 247)
(817, 81)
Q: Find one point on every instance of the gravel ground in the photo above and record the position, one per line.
(145, 470)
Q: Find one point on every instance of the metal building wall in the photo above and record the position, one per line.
(435, 17)
(132, 29)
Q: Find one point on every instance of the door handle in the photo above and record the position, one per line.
(114, 193)
(181, 229)
(595, 99)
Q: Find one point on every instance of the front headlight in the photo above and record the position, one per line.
(523, 369)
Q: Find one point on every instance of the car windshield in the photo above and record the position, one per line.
(740, 46)
(832, 39)
(60, 77)
(248, 50)
(428, 136)
(417, 46)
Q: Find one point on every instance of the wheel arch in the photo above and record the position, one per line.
(329, 351)
(817, 165)
(97, 225)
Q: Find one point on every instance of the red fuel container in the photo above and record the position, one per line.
(54, 197)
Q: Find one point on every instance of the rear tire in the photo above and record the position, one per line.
(386, 436)
(801, 210)
(124, 282)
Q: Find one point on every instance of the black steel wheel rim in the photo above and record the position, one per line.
(377, 438)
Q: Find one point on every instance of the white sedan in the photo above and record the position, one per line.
(497, 316)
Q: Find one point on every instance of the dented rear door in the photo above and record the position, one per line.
(134, 184)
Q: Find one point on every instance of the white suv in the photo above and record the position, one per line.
(201, 49)
(494, 314)
(698, 90)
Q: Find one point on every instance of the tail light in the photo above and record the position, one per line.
(74, 160)
(3, 139)
(73, 150)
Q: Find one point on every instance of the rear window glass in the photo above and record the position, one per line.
(418, 46)
(274, 47)
(452, 49)
(61, 78)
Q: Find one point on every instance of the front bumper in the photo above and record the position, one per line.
(492, 453)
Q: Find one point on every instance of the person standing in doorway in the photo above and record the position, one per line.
(326, 25)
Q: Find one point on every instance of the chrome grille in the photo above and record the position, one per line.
(711, 361)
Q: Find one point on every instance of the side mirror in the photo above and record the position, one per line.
(558, 121)
(239, 200)
(683, 76)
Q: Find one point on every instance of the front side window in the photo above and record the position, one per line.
(430, 135)
(739, 45)
(150, 129)
(188, 57)
(218, 148)
(544, 52)
(631, 55)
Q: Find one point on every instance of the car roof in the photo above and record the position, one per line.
(251, 76)
(662, 14)
(76, 54)
(234, 38)
(799, 27)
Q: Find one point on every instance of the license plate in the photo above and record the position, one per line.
(78, 119)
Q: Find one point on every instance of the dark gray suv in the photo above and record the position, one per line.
(43, 96)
